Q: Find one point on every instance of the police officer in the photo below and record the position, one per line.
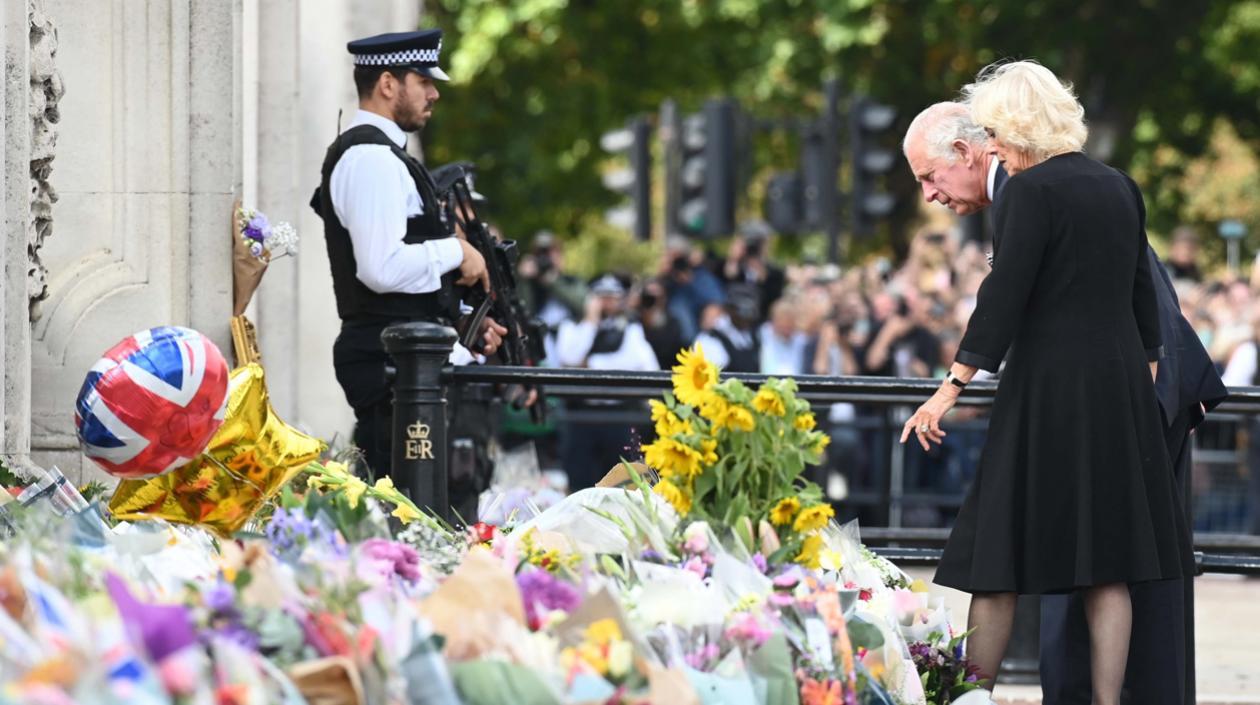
(394, 257)
(598, 433)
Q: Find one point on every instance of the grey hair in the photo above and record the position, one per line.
(940, 125)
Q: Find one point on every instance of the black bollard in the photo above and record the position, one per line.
(419, 450)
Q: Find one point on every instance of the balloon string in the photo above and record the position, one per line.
(217, 463)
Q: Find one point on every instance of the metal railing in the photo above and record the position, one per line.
(424, 379)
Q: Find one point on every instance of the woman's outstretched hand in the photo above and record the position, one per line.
(925, 424)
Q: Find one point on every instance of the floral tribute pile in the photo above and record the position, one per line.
(725, 582)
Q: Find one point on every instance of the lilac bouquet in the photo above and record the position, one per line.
(264, 240)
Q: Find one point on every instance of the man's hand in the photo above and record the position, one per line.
(594, 309)
(473, 268)
(491, 335)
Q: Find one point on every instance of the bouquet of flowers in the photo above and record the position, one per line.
(735, 457)
(945, 674)
(255, 243)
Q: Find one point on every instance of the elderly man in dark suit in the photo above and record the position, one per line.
(948, 155)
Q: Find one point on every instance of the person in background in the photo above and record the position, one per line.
(660, 326)
(689, 286)
(782, 343)
(549, 291)
(606, 338)
(729, 335)
(1183, 256)
(748, 262)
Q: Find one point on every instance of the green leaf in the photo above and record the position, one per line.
(864, 635)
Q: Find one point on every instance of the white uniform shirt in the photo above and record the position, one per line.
(575, 339)
(373, 195)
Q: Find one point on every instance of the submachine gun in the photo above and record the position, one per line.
(523, 343)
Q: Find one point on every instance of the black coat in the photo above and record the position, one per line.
(1074, 486)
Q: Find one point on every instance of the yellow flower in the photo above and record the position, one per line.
(671, 457)
(815, 517)
(406, 513)
(354, 489)
(680, 500)
(769, 402)
(708, 451)
(384, 485)
(734, 417)
(784, 511)
(830, 559)
(713, 406)
(805, 421)
(821, 443)
(337, 469)
(603, 631)
(808, 556)
(693, 376)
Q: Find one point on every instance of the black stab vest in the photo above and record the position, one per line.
(741, 359)
(355, 301)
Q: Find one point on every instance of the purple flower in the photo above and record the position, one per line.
(259, 223)
(543, 592)
(392, 558)
(237, 633)
(160, 629)
(760, 561)
(220, 598)
(652, 556)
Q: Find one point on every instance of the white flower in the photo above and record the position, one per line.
(620, 659)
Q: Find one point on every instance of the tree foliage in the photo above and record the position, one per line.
(537, 81)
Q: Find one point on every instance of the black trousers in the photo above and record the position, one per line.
(1161, 648)
(361, 365)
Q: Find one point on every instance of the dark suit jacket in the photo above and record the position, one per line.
(1186, 376)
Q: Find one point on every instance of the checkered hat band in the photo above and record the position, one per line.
(398, 58)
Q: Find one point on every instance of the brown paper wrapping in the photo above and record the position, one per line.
(478, 610)
(247, 270)
(328, 681)
(252, 455)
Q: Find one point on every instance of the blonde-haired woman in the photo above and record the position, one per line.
(1074, 489)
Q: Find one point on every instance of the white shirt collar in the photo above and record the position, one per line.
(389, 127)
(993, 165)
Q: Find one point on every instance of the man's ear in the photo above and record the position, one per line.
(963, 152)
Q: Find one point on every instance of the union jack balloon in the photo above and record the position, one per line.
(152, 402)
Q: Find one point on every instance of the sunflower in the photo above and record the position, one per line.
(734, 417)
(821, 443)
(671, 457)
(784, 511)
(708, 451)
(815, 517)
(678, 499)
(769, 402)
(805, 421)
(810, 549)
(693, 376)
(713, 406)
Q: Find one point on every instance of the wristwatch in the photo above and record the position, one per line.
(954, 380)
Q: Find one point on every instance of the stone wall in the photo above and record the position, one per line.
(130, 128)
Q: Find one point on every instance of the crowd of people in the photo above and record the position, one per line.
(753, 314)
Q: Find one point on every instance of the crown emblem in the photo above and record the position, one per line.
(418, 431)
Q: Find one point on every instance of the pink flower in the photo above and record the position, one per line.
(696, 565)
(391, 558)
(178, 672)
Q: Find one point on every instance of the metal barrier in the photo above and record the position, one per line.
(420, 351)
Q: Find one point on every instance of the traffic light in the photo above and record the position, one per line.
(633, 180)
(869, 161)
(784, 203)
(707, 170)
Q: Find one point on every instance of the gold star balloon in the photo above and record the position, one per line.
(252, 455)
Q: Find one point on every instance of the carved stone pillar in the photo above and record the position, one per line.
(45, 93)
